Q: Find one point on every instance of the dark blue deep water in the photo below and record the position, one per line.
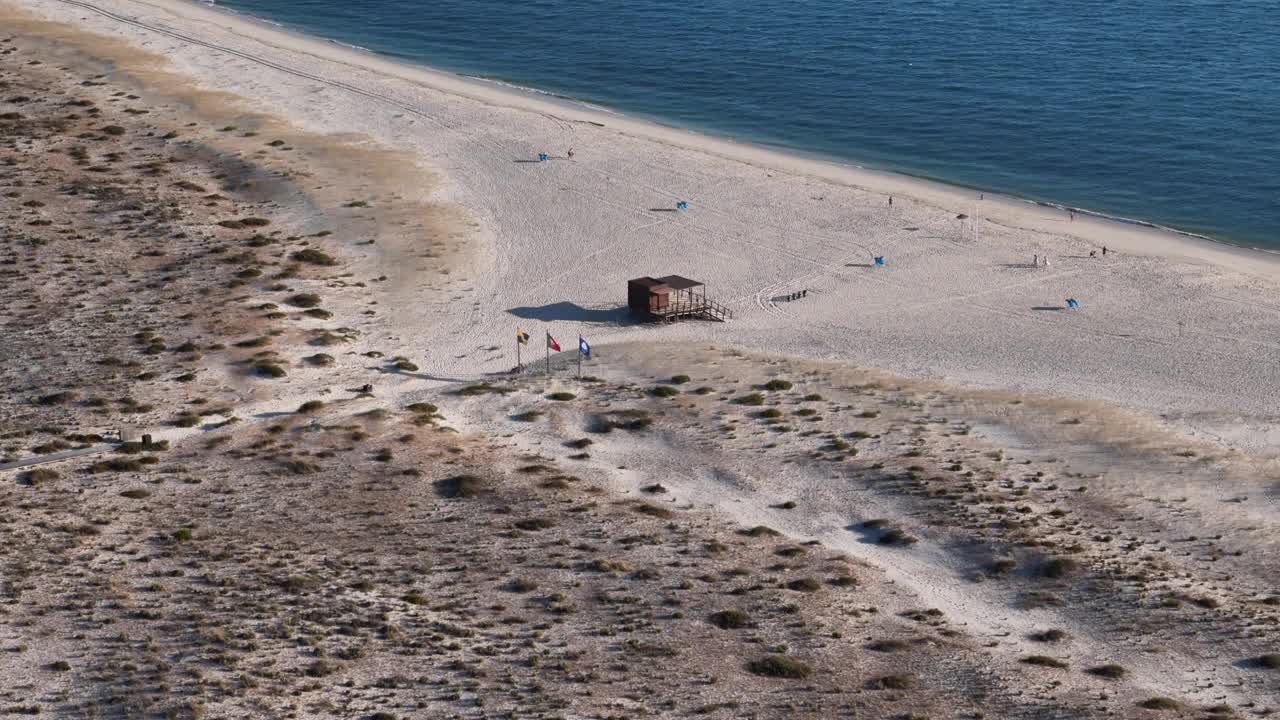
(1161, 110)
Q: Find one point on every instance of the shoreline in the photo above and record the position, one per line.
(1217, 251)
(1183, 243)
(518, 92)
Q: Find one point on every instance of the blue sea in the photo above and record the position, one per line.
(1164, 111)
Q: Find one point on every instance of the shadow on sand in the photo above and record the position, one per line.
(616, 314)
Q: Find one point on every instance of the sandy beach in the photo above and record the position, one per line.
(1170, 324)
(921, 489)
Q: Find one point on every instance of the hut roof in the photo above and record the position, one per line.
(679, 283)
(645, 282)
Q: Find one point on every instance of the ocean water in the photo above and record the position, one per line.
(1165, 111)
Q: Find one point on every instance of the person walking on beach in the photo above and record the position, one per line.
(890, 201)
(1104, 251)
(570, 153)
(1073, 215)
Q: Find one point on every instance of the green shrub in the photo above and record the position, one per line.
(778, 666)
(754, 399)
(1044, 661)
(319, 359)
(310, 406)
(534, 524)
(664, 391)
(561, 396)
(1160, 703)
(527, 416)
(632, 420)
(182, 535)
(461, 486)
(806, 584)
(1110, 672)
(37, 476)
(314, 256)
(483, 388)
(730, 619)
(892, 682)
(270, 369)
(888, 646)
(1059, 567)
(57, 398)
(679, 379)
(776, 385)
(652, 510)
(320, 668)
(118, 465)
(521, 585)
(304, 300)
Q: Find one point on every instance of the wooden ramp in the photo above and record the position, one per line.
(698, 308)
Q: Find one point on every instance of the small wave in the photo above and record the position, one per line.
(537, 91)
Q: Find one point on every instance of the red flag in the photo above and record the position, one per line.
(551, 343)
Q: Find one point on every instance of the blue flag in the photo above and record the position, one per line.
(584, 347)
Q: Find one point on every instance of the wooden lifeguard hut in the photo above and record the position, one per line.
(672, 298)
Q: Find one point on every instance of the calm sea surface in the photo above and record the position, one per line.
(1161, 110)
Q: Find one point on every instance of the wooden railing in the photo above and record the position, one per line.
(698, 307)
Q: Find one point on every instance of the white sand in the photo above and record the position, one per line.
(1182, 327)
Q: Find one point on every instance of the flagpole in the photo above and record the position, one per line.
(517, 348)
(548, 344)
(579, 357)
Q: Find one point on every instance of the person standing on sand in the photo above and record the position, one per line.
(570, 153)
(1073, 215)
(890, 201)
(1104, 251)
